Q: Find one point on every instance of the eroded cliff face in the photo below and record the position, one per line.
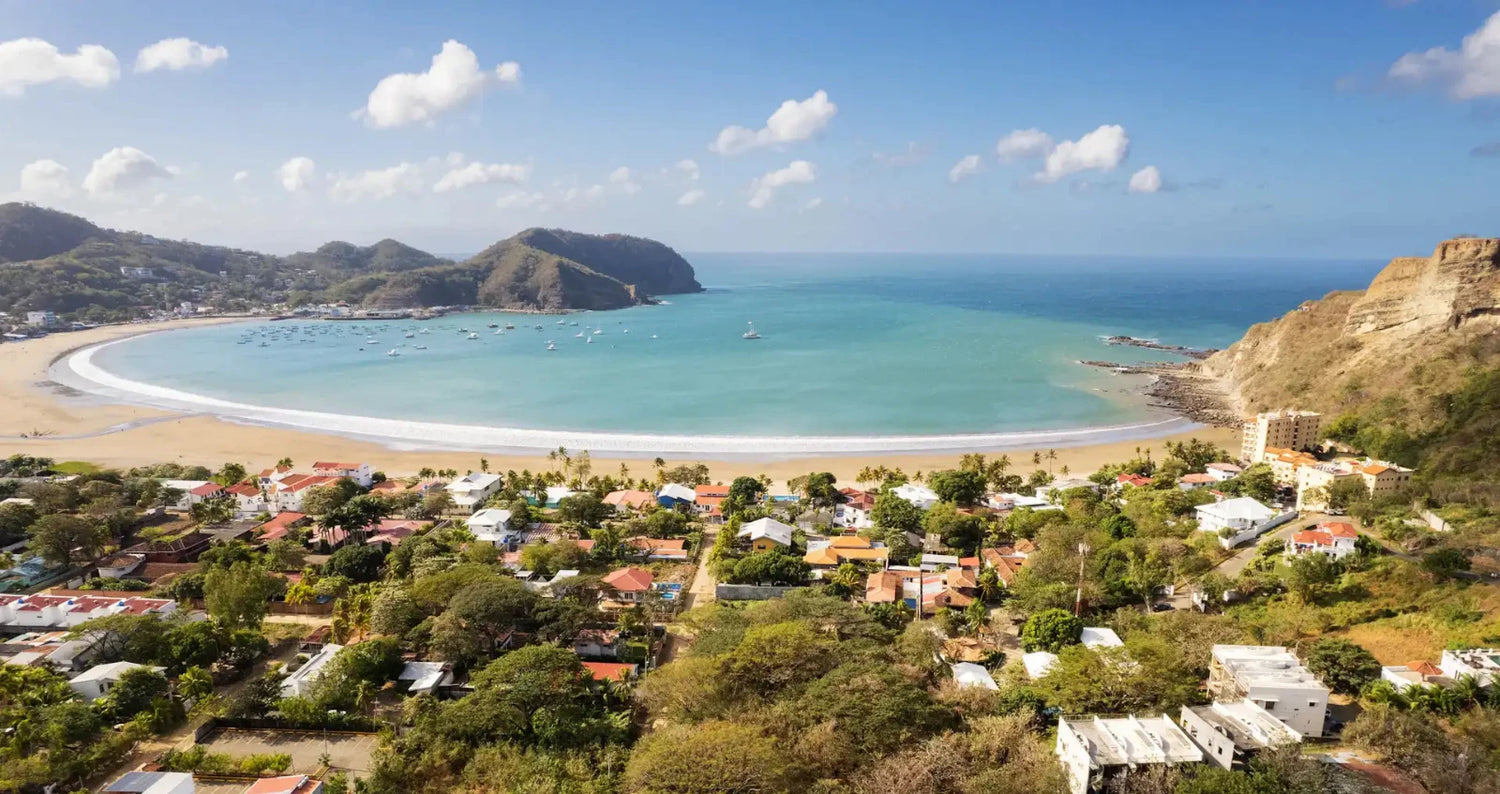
(1421, 322)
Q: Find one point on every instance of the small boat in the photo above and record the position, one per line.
(510, 326)
(410, 335)
(473, 336)
(420, 347)
(653, 336)
(590, 340)
(493, 325)
(265, 344)
(425, 331)
(551, 346)
(627, 330)
(750, 334)
(598, 331)
(372, 341)
(539, 326)
(393, 352)
(575, 322)
(561, 322)
(499, 332)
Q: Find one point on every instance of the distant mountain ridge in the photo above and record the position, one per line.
(50, 260)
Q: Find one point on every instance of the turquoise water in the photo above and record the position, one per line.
(853, 345)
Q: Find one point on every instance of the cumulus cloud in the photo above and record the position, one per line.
(1470, 72)
(1023, 144)
(377, 184)
(240, 177)
(1101, 150)
(520, 199)
(793, 121)
(689, 169)
(178, 54)
(453, 79)
(482, 174)
(965, 167)
(123, 168)
(577, 195)
(621, 176)
(764, 188)
(297, 174)
(1146, 180)
(31, 62)
(46, 179)
(691, 197)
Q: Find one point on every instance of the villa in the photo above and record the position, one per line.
(1481, 663)
(674, 495)
(1238, 520)
(919, 495)
(1092, 748)
(1274, 679)
(300, 682)
(630, 500)
(287, 494)
(659, 549)
(1223, 471)
(358, 472)
(766, 534)
(1067, 484)
(1190, 482)
(473, 489)
(1423, 673)
(854, 511)
(492, 526)
(97, 681)
(707, 500)
(628, 585)
(248, 500)
(1334, 538)
(1229, 733)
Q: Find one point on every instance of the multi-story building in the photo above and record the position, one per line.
(41, 319)
(1335, 538)
(1093, 749)
(358, 472)
(1283, 429)
(1285, 463)
(1482, 663)
(1274, 679)
(1229, 733)
(1379, 478)
(1383, 477)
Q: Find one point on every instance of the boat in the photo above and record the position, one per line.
(265, 344)
(598, 331)
(590, 340)
(410, 335)
(420, 347)
(372, 341)
(626, 331)
(750, 334)
(425, 331)
(393, 352)
(510, 326)
(561, 322)
(473, 336)
(578, 335)
(551, 346)
(499, 331)
(539, 326)
(653, 336)
(493, 325)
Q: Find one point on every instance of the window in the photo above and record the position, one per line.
(1312, 704)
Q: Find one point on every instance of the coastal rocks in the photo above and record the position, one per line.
(1151, 344)
(1180, 388)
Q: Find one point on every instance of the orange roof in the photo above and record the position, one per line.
(1375, 469)
(883, 587)
(849, 542)
(968, 562)
(1424, 667)
(603, 671)
(277, 470)
(629, 580)
(207, 489)
(960, 578)
(1198, 478)
(287, 784)
(1133, 479)
(1339, 529)
(1025, 546)
(833, 555)
(720, 491)
(394, 486)
(335, 466)
(635, 499)
(658, 545)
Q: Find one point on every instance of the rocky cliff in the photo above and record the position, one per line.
(1410, 335)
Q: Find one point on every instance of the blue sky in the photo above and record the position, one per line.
(1247, 128)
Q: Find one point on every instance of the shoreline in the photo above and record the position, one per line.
(71, 417)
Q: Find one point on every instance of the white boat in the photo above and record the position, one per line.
(473, 336)
(425, 331)
(578, 335)
(627, 330)
(499, 331)
(598, 330)
(410, 335)
(420, 347)
(372, 341)
(653, 336)
(561, 322)
(510, 326)
(551, 346)
(393, 352)
(590, 340)
(750, 334)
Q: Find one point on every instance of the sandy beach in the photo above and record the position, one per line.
(46, 418)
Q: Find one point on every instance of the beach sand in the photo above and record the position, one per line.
(64, 425)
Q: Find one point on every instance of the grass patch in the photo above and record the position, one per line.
(75, 467)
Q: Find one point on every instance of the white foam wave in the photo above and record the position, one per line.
(79, 371)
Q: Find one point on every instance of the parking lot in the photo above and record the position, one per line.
(345, 751)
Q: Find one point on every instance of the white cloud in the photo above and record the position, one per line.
(688, 168)
(46, 179)
(915, 154)
(691, 197)
(453, 79)
(621, 176)
(380, 183)
(793, 121)
(123, 168)
(813, 203)
(482, 174)
(29, 62)
(297, 174)
(520, 199)
(763, 189)
(1023, 144)
(1101, 150)
(1146, 180)
(966, 166)
(178, 54)
(1471, 72)
(240, 176)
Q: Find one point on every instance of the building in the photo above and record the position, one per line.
(968, 674)
(1383, 477)
(1482, 663)
(854, 511)
(1229, 733)
(609, 671)
(286, 784)
(659, 549)
(66, 609)
(249, 500)
(629, 585)
(1092, 749)
(492, 526)
(1334, 538)
(152, 783)
(1067, 484)
(41, 319)
(846, 548)
(674, 495)
(766, 534)
(426, 677)
(287, 494)
(1295, 430)
(300, 682)
(358, 472)
(1379, 478)
(1038, 663)
(97, 681)
(1100, 637)
(1132, 480)
(919, 495)
(473, 489)
(708, 500)
(1238, 520)
(1190, 482)
(630, 500)
(1274, 679)
(136, 272)
(1223, 471)
(1423, 673)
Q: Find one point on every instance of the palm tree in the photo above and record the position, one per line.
(425, 472)
(1064, 470)
(284, 463)
(1051, 456)
(484, 465)
(990, 586)
(1036, 459)
(624, 473)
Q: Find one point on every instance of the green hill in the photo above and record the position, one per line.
(386, 256)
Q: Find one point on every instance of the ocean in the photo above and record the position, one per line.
(852, 345)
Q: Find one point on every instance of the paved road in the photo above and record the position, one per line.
(1234, 565)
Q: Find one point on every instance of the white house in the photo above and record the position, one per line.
(1038, 663)
(425, 676)
(492, 526)
(358, 472)
(97, 681)
(40, 610)
(1412, 674)
(473, 489)
(556, 493)
(152, 783)
(1244, 517)
(186, 488)
(249, 500)
(1091, 748)
(300, 682)
(765, 531)
(1100, 637)
(1223, 471)
(1334, 538)
(968, 674)
(1274, 679)
(1482, 663)
(1068, 484)
(919, 495)
(1229, 732)
(1015, 501)
(673, 494)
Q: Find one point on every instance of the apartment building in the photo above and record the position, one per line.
(1281, 429)
(1274, 679)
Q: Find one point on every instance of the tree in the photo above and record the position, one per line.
(395, 612)
(585, 509)
(1051, 630)
(62, 539)
(437, 502)
(1144, 573)
(237, 596)
(357, 563)
(709, 758)
(323, 499)
(1342, 665)
(355, 515)
(230, 474)
(874, 706)
(1308, 575)
(15, 519)
(957, 530)
(976, 618)
(1444, 564)
(892, 513)
(477, 617)
(134, 693)
(774, 567)
(549, 558)
(844, 581)
(744, 492)
(990, 585)
(690, 474)
(817, 488)
(963, 488)
(195, 684)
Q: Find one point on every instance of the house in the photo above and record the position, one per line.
(1286, 430)
(832, 555)
(968, 674)
(1065, 484)
(919, 495)
(120, 566)
(1482, 663)
(1038, 663)
(41, 319)
(629, 585)
(269, 477)
(426, 677)
(288, 493)
(1382, 477)
(358, 472)
(1190, 482)
(1423, 673)
(654, 549)
(1007, 562)
(597, 643)
(931, 562)
(1285, 464)
(68, 608)
(248, 500)
(674, 495)
(152, 783)
(708, 499)
(1229, 733)
(300, 682)
(766, 534)
(1274, 679)
(280, 524)
(554, 495)
(883, 587)
(473, 489)
(186, 488)
(1223, 471)
(609, 671)
(1092, 749)
(97, 681)
(492, 526)
(286, 784)
(1100, 637)
(933, 591)
(1132, 480)
(1238, 520)
(1334, 538)
(1007, 502)
(854, 510)
(630, 500)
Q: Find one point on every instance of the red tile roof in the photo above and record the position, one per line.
(883, 587)
(658, 545)
(336, 466)
(287, 784)
(1133, 479)
(1198, 479)
(1424, 667)
(207, 489)
(629, 580)
(244, 489)
(1339, 529)
(279, 524)
(631, 499)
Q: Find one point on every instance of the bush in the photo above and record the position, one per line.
(1343, 666)
(1051, 630)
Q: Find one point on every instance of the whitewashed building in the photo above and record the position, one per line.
(1274, 679)
(300, 682)
(472, 490)
(1245, 518)
(919, 495)
(1092, 749)
(493, 526)
(97, 681)
(1229, 733)
(1482, 663)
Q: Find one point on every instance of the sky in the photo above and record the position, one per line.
(1334, 129)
